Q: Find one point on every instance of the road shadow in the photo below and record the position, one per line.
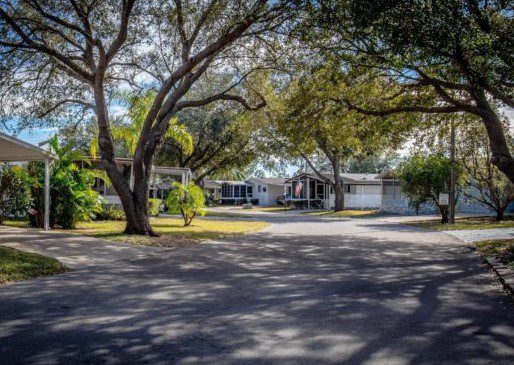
(345, 297)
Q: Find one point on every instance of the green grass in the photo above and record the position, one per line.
(465, 223)
(171, 229)
(18, 265)
(345, 213)
(18, 223)
(274, 209)
(503, 250)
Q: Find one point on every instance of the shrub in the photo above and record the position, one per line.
(110, 213)
(14, 193)
(188, 199)
(71, 193)
(254, 201)
(154, 207)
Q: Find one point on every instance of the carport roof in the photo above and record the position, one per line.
(14, 149)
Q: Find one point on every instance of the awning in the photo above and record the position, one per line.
(13, 149)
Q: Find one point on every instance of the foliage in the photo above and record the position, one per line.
(14, 192)
(128, 129)
(372, 163)
(226, 140)
(313, 119)
(154, 207)
(423, 178)
(109, 212)
(19, 265)
(444, 56)
(189, 200)
(71, 194)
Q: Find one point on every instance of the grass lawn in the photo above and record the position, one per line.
(503, 250)
(172, 230)
(274, 209)
(465, 223)
(345, 213)
(19, 265)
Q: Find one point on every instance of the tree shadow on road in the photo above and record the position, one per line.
(267, 298)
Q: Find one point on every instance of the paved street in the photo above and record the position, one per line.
(304, 290)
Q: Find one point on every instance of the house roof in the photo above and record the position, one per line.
(361, 178)
(348, 178)
(14, 149)
(281, 181)
(231, 182)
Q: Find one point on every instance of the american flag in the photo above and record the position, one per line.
(298, 189)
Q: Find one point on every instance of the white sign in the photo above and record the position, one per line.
(444, 199)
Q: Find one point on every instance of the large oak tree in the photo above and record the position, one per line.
(460, 51)
(80, 53)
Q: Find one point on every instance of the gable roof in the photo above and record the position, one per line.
(348, 178)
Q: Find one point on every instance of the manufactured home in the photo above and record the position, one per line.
(310, 191)
(160, 184)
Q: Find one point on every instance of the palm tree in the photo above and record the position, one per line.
(129, 132)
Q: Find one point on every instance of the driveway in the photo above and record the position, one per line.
(304, 290)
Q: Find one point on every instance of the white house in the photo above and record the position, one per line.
(258, 191)
(268, 190)
(310, 191)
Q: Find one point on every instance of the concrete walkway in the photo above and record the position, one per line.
(304, 290)
(477, 235)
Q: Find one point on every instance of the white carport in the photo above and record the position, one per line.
(16, 150)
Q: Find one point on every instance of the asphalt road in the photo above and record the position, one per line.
(303, 291)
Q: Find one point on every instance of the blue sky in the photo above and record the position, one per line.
(36, 136)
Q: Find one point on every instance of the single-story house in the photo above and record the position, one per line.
(235, 192)
(267, 190)
(361, 191)
(258, 191)
(160, 185)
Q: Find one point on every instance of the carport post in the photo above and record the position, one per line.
(46, 219)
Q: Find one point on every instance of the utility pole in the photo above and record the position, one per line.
(452, 172)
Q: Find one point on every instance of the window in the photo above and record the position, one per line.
(258, 188)
(263, 189)
(243, 191)
(249, 191)
(347, 190)
(226, 191)
(237, 191)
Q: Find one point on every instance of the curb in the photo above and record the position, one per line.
(503, 274)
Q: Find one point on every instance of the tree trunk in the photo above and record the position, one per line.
(338, 185)
(500, 153)
(338, 196)
(500, 213)
(444, 214)
(135, 204)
